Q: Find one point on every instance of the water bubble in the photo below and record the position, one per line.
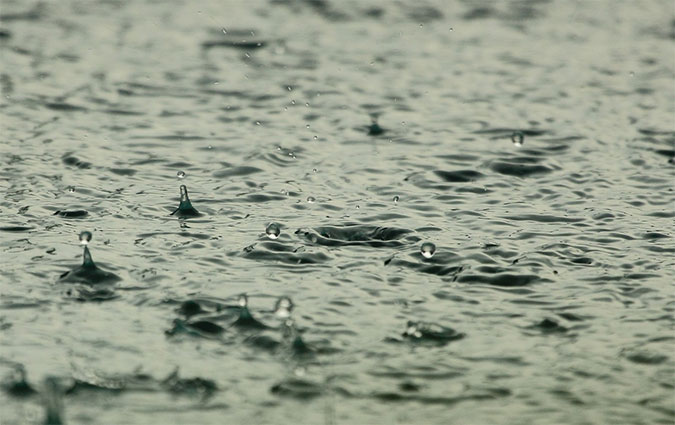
(517, 138)
(428, 250)
(316, 137)
(85, 237)
(283, 308)
(314, 170)
(451, 29)
(311, 199)
(242, 301)
(273, 231)
(71, 189)
(396, 198)
(180, 174)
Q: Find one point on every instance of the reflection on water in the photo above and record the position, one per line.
(404, 212)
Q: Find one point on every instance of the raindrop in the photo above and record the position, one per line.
(316, 137)
(224, 31)
(632, 74)
(307, 126)
(180, 174)
(428, 249)
(71, 189)
(314, 170)
(311, 199)
(85, 238)
(273, 231)
(289, 88)
(396, 198)
(242, 301)
(283, 308)
(517, 138)
(451, 29)
(307, 104)
(257, 123)
(292, 102)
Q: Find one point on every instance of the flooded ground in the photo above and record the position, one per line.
(468, 205)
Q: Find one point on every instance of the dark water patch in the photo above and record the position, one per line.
(201, 328)
(68, 159)
(34, 14)
(644, 357)
(234, 44)
(543, 218)
(549, 326)
(374, 129)
(506, 280)
(582, 260)
(71, 213)
(64, 107)
(15, 229)
(123, 171)
(297, 388)
(236, 172)
(355, 235)
(5, 34)
(16, 384)
(518, 170)
(192, 387)
(85, 294)
(424, 333)
(461, 176)
(654, 236)
(294, 257)
(445, 401)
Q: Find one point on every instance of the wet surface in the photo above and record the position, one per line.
(470, 205)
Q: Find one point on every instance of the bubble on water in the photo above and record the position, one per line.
(428, 250)
(316, 137)
(273, 231)
(396, 199)
(358, 207)
(517, 138)
(314, 170)
(283, 308)
(242, 301)
(180, 174)
(451, 29)
(413, 330)
(209, 147)
(71, 189)
(85, 237)
(311, 199)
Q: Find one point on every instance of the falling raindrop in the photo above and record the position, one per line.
(273, 231)
(85, 237)
(180, 174)
(311, 199)
(517, 138)
(428, 249)
(396, 198)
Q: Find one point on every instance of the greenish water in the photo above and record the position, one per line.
(324, 146)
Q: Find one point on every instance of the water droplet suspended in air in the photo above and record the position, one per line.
(71, 189)
(289, 88)
(396, 198)
(224, 31)
(428, 250)
(283, 308)
(242, 301)
(307, 126)
(316, 137)
(517, 138)
(292, 102)
(180, 174)
(311, 199)
(314, 170)
(273, 231)
(85, 237)
(307, 104)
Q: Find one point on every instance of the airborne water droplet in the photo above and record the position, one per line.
(242, 301)
(428, 249)
(517, 138)
(180, 174)
(396, 198)
(311, 199)
(85, 237)
(71, 189)
(283, 308)
(273, 231)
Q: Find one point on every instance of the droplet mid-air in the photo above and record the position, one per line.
(283, 308)
(273, 231)
(428, 250)
(180, 174)
(517, 138)
(85, 237)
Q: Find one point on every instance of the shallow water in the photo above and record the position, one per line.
(549, 297)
